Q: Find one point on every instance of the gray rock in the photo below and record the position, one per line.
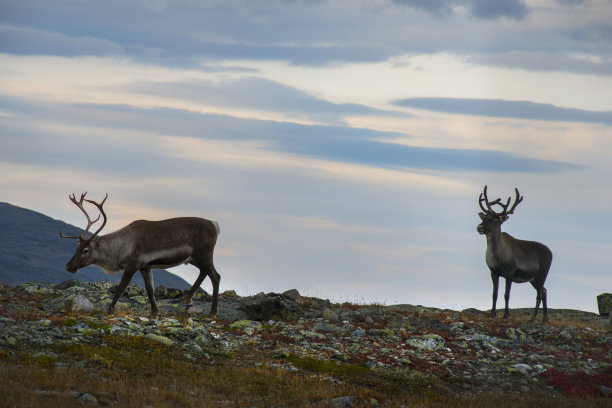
(271, 306)
(231, 314)
(606, 392)
(293, 294)
(330, 315)
(358, 333)
(87, 399)
(160, 339)
(342, 402)
(162, 292)
(66, 284)
(78, 303)
(524, 369)
(327, 328)
(604, 303)
(427, 342)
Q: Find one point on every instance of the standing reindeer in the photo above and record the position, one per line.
(513, 259)
(144, 245)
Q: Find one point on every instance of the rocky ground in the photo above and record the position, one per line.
(461, 353)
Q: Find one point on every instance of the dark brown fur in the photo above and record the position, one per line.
(513, 259)
(145, 245)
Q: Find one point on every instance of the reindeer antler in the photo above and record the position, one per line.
(79, 204)
(505, 213)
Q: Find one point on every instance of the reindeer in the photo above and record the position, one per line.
(144, 245)
(513, 259)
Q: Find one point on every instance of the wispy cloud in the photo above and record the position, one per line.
(507, 109)
(484, 9)
(543, 61)
(260, 94)
(334, 143)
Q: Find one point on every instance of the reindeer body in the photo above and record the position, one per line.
(513, 259)
(145, 245)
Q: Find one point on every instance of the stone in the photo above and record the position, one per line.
(515, 334)
(78, 303)
(195, 309)
(160, 339)
(342, 402)
(358, 333)
(327, 328)
(604, 303)
(162, 292)
(293, 294)
(87, 399)
(524, 369)
(330, 315)
(271, 306)
(246, 323)
(67, 284)
(229, 313)
(427, 342)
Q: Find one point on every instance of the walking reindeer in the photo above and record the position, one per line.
(145, 245)
(513, 259)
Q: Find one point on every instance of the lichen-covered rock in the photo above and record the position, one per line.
(160, 339)
(245, 323)
(604, 303)
(79, 303)
(427, 342)
(161, 292)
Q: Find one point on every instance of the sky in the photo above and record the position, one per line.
(341, 145)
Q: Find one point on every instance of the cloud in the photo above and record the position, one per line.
(494, 9)
(507, 109)
(186, 33)
(544, 61)
(483, 9)
(26, 41)
(260, 95)
(333, 143)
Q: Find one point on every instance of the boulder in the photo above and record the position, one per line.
(604, 303)
(67, 284)
(78, 303)
(272, 306)
(293, 294)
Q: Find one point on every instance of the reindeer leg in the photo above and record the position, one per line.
(539, 291)
(215, 279)
(147, 276)
(194, 288)
(544, 307)
(495, 279)
(507, 298)
(128, 273)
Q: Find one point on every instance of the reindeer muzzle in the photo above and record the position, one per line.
(71, 268)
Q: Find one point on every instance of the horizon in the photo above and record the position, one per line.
(341, 146)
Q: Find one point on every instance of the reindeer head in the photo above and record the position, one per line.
(85, 253)
(492, 220)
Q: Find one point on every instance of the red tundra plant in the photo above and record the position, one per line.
(578, 384)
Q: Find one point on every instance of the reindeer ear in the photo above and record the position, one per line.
(481, 215)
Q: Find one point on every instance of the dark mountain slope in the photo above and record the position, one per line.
(31, 250)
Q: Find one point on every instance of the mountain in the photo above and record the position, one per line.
(32, 250)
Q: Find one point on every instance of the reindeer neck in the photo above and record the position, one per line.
(110, 251)
(494, 239)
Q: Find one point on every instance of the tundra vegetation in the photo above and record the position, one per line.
(58, 348)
